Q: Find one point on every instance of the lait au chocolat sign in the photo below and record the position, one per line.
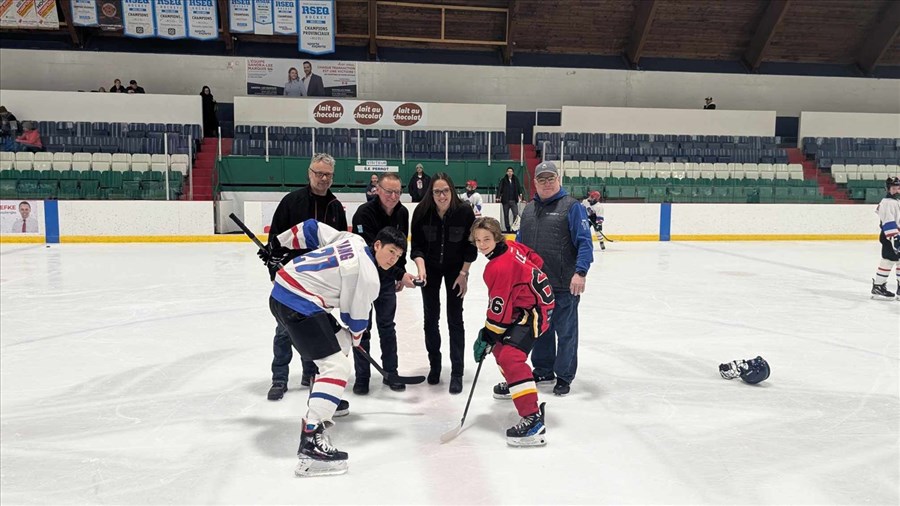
(367, 113)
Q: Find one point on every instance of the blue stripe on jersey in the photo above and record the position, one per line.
(311, 234)
(356, 326)
(294, 301)
(887, 227)
(323, 395)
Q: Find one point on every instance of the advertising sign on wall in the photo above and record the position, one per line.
(300, 78)
(367, 113)
(46, 13)
(25, 217)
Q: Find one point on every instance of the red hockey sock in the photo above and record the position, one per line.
(519, 378)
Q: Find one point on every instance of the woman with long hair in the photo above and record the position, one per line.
(441, 250)
(210, 120)
(294, 86)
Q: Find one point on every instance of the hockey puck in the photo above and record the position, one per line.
(418, 282)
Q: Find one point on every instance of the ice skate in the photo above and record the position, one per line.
(317, 456)
(880, 292)
(530, 431)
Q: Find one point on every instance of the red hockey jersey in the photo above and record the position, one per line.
(518, 291)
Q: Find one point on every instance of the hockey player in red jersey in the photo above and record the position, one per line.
(520, 304)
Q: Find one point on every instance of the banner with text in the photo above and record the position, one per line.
(299, 78)
(111, 15)
(21, 217)
(286, 17)
(137, 16)
(84, 12)
(170, 19)
(203, 19)
(316, 26)
(263, 23)
(8, 18)
(367, 113)
(46, 12)
(240, 16)
(39, 14)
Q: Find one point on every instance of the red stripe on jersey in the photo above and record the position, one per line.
(333, 381)
(295, 284)
(296, 241)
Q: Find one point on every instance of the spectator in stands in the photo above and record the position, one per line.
(313, 201)
(709, 103)
(30, 140)
(26, 224)
(101, 89)
(294, 86)
(6, 122)
(312, 83)
(418, 184)
(210, 120)
(555, 225)
(134, 87)
(509, 194)
(117, 87)
(441, 249)
(372, 189)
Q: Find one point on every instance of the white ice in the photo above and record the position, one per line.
(137, 374)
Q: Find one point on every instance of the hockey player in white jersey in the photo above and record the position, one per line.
(472, 197)
(595, 215)
(889, 217)
(340, 274)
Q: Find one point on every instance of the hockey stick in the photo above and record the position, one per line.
(604, 236)
(237, 221)
(391, 377)
(451, 434)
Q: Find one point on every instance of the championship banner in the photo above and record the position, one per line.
(84, 12)
(263, 22)
(203, 19)
(240, 16)
(137, 16)
(26, 17)
(300, 78)
(286, 17)
(111, 15)
(360, 113)
(170, 19)
(315, 24)
(47, 16)
(21, 217)
(8, 18)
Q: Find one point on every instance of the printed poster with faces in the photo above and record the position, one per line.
(21, 217)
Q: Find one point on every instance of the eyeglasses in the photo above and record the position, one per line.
(436, 192)
(391, 193)
(322, 175)
(545, 180)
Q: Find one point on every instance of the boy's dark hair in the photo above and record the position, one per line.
(391, 235)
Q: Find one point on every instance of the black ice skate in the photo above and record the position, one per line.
(880, 292)
(343, 409)
(501, 391)
(317, 456)
(530, 430)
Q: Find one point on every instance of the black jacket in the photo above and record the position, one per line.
(370, 218)
(414, 192)
(297, 207)
(444, 243)
(507, 191)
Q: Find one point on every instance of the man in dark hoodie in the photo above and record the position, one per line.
(314, 201)
(418, 184)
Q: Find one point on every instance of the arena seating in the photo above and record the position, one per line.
(102, 137)
(828, 151)
(373, 143)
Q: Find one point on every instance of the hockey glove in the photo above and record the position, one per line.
(733, 369)
(273, 256)
(481, 347)
(895, 242)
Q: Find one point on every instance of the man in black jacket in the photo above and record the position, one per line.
(509, 194)
(313, 201)
(385, 211)
(418, 184)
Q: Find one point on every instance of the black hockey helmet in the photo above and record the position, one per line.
(757, 370)
(891, 181)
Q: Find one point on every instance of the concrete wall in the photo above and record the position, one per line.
(843, 124)
(112, 107)
(519, 88)
(636, 120)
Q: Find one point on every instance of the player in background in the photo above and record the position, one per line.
(595, 215)
(520, 304)
(889, 216)
(340, 273)
(472, 197)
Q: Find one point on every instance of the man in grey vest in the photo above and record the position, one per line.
(556, 226)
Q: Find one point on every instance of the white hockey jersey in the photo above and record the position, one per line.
(474, 200)
(595, 209)
(340, 273)
(889, 215)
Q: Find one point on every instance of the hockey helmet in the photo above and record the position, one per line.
(757, 370)
(472, 183)
(594, 195)
(891, 181)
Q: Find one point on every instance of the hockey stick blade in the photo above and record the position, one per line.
(237, 221)
(389, 376)
(604, 237)
(451, 434)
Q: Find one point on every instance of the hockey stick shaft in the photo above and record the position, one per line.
(391, 377)
(447, 436)
(237, 221)
(604, 236)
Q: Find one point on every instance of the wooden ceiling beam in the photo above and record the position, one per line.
(373, 29)
(879, 38)
(643, 19)
(225, 20)
(510, 22)
(762, 36)
(66, 8)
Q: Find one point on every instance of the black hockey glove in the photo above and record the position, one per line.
(895, 242)
(273, 256)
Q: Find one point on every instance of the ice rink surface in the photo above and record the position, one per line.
(137, 374)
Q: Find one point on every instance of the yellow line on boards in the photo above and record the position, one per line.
(33, 239)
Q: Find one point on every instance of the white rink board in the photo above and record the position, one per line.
(135, 218)
(774, 219)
